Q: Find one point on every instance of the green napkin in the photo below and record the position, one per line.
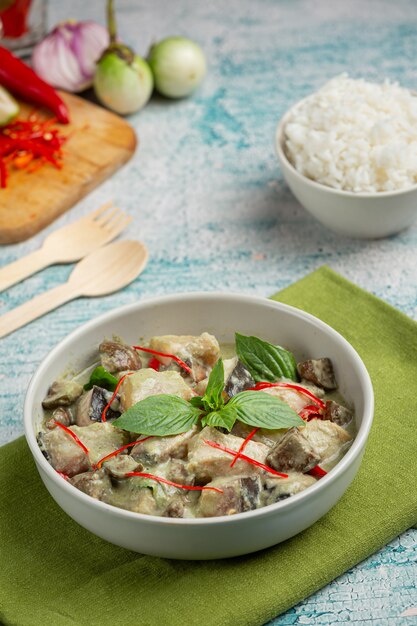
(54, 572)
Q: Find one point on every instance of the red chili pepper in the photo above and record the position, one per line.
(21, 80)
(3, 174)
(108, 405)
(24, 141)
(317, 472)
(309, 412)
(14, 19)
(248, 459)
(64, 476)
(305, 392)
(170, 356)
(243, 446)
(154, 364)
(21, 161)
(73, 435)
(116, 452)
(169, 482)
(37, 149)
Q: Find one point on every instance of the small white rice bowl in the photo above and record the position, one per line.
(355, 136)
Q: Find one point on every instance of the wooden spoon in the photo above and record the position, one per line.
(104, 271)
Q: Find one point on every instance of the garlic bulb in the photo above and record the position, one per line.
(67, 57)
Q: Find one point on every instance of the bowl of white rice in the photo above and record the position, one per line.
(349, 154)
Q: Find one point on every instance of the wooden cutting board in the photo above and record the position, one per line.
(100, 143)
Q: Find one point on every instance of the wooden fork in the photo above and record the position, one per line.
(68, 244)
(103, 271)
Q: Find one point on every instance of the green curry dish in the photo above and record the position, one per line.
(218, 437)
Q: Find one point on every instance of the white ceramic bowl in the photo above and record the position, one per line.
(361, 215)
(222, 315)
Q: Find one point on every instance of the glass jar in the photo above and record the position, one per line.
(22, 24)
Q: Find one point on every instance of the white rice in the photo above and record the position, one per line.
(356, 136)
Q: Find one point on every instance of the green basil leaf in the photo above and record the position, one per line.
(220, 419)
(213, 399)
(102, 378)
(256, 408)
(197, 401)
(161, 415)
(265, 361)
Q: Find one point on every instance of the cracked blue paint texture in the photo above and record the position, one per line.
(209, 201)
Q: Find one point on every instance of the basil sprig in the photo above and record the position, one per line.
(265, 361)
(213, 398)
(102, 378)
(167, 414)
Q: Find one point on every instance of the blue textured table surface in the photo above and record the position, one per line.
(210, 203)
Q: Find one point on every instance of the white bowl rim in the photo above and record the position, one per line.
(282, 157)
(354, 451)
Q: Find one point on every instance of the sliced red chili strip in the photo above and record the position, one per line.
(169, 482)
(22, 160)
(116, 452)
(22, 141)
(243, 445)
(73, 435)
(37, 149)
(154, 364)
(3, 174)
(310, 412)
(317, 472)
(165, 354)
(305, 392)
(248, 459)
(110, 402)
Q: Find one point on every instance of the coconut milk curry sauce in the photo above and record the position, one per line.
(178, 427)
